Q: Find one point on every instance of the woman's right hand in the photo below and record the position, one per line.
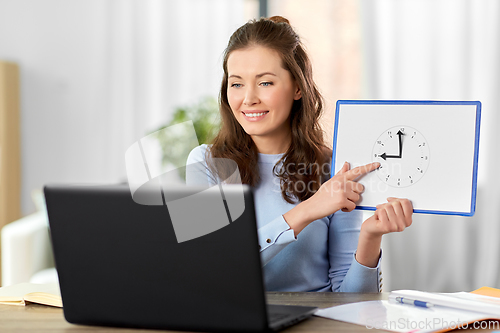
(341, 192)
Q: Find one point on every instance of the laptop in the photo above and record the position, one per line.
(121, 264)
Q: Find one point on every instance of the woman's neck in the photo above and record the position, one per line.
(272, 145)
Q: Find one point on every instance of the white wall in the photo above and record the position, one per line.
(96, 75)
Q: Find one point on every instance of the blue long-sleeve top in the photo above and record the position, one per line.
(321, 258)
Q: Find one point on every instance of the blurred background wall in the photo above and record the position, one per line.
(96, 75)
(441, 50)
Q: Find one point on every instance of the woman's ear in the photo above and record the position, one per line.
(298, 93)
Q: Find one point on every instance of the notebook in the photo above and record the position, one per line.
(120, 264)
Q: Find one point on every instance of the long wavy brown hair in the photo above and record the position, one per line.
(300, 170)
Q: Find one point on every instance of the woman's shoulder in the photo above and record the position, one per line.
(198, 154)
(197, 170)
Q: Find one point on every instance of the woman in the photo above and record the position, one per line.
(270, 107)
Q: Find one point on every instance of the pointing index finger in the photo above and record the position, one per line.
(361, 170)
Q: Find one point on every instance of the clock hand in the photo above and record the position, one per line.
(400, 138)
(400, 135)
(385, 156)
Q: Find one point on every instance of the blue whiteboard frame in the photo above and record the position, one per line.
(405, 102)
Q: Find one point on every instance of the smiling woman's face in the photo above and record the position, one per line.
(261, 93)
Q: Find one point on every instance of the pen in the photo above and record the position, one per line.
(404, 300)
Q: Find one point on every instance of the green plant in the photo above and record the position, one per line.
(175, 144)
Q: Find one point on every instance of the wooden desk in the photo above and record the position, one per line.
(35, 318)
(323, 300)
(39, 318)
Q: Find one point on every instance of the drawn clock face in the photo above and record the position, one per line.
(403, 154)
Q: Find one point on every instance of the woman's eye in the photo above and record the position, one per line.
(266, 84)
(236, 85)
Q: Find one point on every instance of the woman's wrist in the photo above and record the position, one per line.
(298, 217)
(368, 251)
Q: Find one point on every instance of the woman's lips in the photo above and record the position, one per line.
(254, 115)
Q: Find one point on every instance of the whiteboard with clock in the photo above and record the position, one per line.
(428, 151)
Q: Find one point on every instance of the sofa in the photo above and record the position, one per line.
(26, 248)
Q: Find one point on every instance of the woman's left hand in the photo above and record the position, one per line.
(393, 216)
